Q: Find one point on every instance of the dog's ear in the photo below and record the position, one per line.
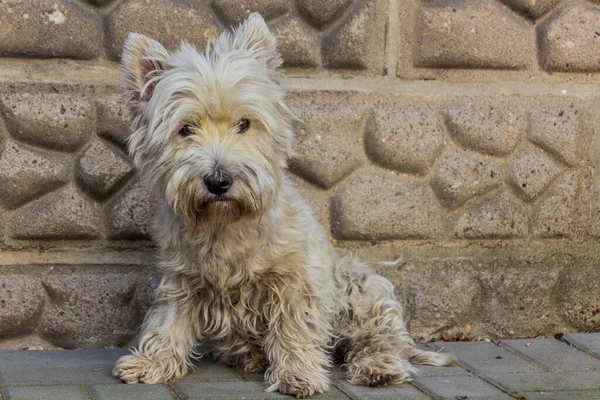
(254, 34)
(144, 62)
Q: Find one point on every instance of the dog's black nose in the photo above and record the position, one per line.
(218, 182)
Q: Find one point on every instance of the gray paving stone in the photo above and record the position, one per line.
(131, 392)
(571, 395)
(404, 392)
(547, 382)
(196, 390)
(210, 371)
(588, 342)
(553, 354)
(44, 393)
(451, 370)
(58, 367)
(451, 387)
(486, 358)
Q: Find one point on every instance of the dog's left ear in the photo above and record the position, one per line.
(254, 34)
(144, 62)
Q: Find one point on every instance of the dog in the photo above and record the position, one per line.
(248, 272)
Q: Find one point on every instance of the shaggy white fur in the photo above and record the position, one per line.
(248, 271)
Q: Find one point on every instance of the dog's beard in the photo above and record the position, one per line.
(190, 200)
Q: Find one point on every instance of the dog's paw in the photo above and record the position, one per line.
(256, 364)
(137, 369)
(300, 387)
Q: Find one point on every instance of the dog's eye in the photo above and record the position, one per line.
(243, 125)
(185, 131)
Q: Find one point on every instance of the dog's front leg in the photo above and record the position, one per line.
(167, 341)
(296, 347)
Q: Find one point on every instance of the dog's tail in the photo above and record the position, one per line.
(425, 357)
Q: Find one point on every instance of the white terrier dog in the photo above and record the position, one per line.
(248, 271)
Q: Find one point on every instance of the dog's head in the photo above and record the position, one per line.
(210, 129)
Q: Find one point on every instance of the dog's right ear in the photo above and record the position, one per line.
(144, 62)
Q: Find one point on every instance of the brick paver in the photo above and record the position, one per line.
(532, 369)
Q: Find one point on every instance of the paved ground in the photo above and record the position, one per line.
(523, 369)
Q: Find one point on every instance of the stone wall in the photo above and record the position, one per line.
(460, 135)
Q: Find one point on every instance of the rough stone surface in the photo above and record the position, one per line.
(556, 130)
(192, 21)
(580, 291)
(384, 207)
(319, 13)
(357, 42)
(56, 121)
(64, 214)
(569, 39)
(407, 138)
(92, 310)
(492, 130)
(476, 26)
(498, 216)
(531, 172)
(553, 215)
(27, 173)
(520, 301)
(49, 28)
(298, 44)
(101, 170)
(533, 9)
(130, 215)
(21, 301)
(232, 12)
(113, 122)
(454, 387)
(461, 175)
(328, 141)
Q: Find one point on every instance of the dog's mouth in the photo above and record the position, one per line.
(218, 199)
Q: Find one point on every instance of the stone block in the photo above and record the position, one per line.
(580, 294)
(49, 28)
(101, 170)
(553, 355)
(298, 44)
(90, 310)
(484, 358)
(552, 215)
(328, 141)
(461, 175)
(453, 387)
(45, 393)
(317, 199)
(64, 214)
(404, 392)
(130, 214)
(497, 216)
(428, 291)
(556, 129)
(169, 21)
(489, 129)
(320, 13)
(405, 137)
(358, 40)
(27, 173)
(232, 12)
(569, 40)
(587, 342)
(21, 302)
(378, 206)
(533, 9)
(113, 122)
(51, 120)
(531, 172)
(131, 392)
(520, 300)
(565, 395)
(465, 34)
(68, 367)
(548, 382)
